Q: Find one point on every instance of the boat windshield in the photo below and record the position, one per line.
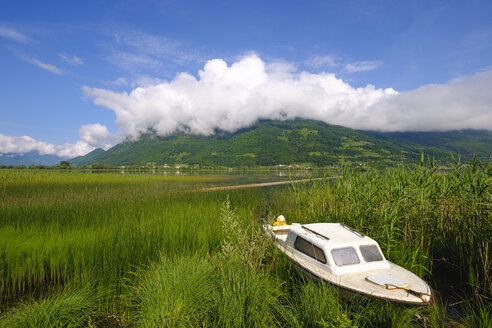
(309, 249)
(371, 253)
(345, 256)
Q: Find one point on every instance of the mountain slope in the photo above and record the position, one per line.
(464, 142)
(267, 143)
(30, 158)
(89, 158)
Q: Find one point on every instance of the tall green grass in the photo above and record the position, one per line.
(71, 308)
(437, 224)
(238, 287)
(423, 218)
(159, 253)
(59, 227)
(175, 292)
(225, 289)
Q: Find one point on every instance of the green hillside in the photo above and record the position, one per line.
(265, 144)
(89, 158)
(464, 142)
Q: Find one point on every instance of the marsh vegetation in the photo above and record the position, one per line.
(107, 250)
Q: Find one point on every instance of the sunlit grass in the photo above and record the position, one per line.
(77, 229)
(70, 308)
(137, 238)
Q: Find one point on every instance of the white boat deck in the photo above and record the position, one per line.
(382, 279)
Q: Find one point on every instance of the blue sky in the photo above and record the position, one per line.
(78, 75)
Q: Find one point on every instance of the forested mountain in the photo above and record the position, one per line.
(464, 142)
(87, 158)
(289, 142)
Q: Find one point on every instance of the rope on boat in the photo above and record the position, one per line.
(413, 292)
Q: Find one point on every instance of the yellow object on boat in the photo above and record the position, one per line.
(280, 221)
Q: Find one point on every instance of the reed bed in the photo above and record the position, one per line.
(83, 228)
(69, 308)
(156, 252)
(426, 220)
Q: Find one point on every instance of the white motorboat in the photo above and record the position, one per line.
(344, 257)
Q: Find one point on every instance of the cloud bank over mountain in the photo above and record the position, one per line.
(464, 103)
(230, 97)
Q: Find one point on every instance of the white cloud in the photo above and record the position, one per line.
(79, 148)
(13, 35)
(134, 61)
(92, 135)
(141, 53)
(155, 46)
(232, 97)
(25, 144)
(97, 135)
(121, 81)
(362, 66)
(37, 62)
(235, 96)
(464, 103)
(74, 60)
(323, 61)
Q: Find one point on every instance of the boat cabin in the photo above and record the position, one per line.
(336, 247)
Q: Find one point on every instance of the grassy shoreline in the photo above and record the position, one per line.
(111, 239)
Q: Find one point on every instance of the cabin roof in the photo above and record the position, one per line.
(337, 233)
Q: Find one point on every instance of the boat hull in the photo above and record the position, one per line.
(358, 284)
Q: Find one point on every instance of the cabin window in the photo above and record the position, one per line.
(371, 253)
(345, 256)
(304, 246)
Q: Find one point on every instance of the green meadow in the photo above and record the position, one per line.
(112, 250)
